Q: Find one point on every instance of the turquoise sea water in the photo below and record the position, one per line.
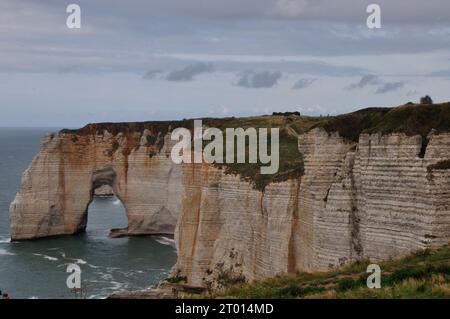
(37, 269)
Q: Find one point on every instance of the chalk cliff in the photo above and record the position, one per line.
(379, 196)
(104, 190)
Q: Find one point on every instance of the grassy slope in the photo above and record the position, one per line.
(421, 275)
(411, 119)
(291, 160)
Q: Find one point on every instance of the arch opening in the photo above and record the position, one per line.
(105, 213)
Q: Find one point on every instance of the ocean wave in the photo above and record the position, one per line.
(80, 261)
(110, 269)
(104, 292)
(107, 277)
(165, 240)
(116, 286)
(4, 240)
(4, 252)
(47, 257)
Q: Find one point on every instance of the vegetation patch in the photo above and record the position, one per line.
(291, 164)
(178, 278)
(411, 119)
(425, 274)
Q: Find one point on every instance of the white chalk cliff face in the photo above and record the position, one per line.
(376, 199)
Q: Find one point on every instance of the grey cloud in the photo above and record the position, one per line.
(152, 74)
(69, 69)
(289, 8)
(311, 67)
(355, 10)
(373, 80)
(441, 73)
(33, 36)
(324, 10)
(188, 73)
(389, 87)
(366, 80)
(303, 84)
(256, 80)
(412, 93)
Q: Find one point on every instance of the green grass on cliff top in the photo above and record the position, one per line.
(291, 160)
(424, 274)
(411, 119)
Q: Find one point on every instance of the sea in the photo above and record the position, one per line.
(39, 268)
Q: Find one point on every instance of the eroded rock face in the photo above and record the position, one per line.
(104, 190)
(58, 186)
(376, 199)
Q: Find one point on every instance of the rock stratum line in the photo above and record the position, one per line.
(380, 196)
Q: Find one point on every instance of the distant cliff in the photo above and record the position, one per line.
(370, 184)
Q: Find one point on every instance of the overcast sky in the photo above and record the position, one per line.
(169, 59)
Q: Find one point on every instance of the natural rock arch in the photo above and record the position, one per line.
(59, 185)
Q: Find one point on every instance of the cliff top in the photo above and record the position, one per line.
(411, 119)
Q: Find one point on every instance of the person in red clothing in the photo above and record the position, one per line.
(4, 295)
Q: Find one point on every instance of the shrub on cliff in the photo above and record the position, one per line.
(426, 100)
(296, 113)
(178, 278)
